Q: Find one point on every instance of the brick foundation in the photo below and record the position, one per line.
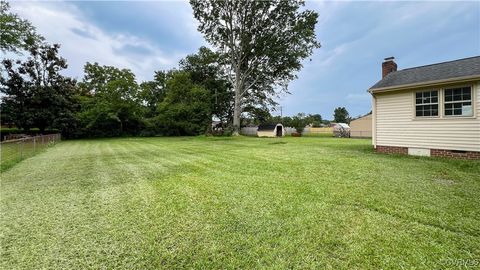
(454, 154)
(392, 150)
(471, 155)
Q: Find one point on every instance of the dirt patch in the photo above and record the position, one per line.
(445, 182)
(278, 143)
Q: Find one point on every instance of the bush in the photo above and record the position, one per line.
(228, 131)
(149, 128)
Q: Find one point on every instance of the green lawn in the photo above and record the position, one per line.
(149, 203)
(15, 151)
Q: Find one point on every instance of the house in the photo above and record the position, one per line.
(361, 127)
(431, 110)
(271, 130)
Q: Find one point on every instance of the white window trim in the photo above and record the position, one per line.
(472, 101)
(441, 103)
(415, 104)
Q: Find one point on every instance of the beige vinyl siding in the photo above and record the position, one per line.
(361, 127)
(396, 124)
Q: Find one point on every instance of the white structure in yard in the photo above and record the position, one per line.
(271, 130)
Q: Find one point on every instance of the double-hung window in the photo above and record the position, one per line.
(458, 101)
(426, 103)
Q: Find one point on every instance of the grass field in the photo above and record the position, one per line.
(149, 203)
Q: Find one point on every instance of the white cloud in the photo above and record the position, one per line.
(82, 41)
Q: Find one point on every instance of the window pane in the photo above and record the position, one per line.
(426, 97)
(456, 96)
(467, 109)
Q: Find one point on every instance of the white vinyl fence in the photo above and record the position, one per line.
(249, 131)
(309, 131)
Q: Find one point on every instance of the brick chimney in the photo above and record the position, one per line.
(388, 66)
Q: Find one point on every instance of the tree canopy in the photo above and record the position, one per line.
(258, 48)
(153, 92)
(341, 115)
(262, 44)
(16, 33)
(205, 70)
(35, 93)
(110, 102)
(186, 108)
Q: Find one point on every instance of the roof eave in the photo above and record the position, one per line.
(469, 78)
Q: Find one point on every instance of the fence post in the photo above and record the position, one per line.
(34, 142)
(21, 148)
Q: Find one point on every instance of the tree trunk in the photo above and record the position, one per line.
(236, 115)
(237, 109)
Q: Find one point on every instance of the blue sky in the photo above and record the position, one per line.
(355, 37)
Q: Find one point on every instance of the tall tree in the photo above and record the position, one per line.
(186, 108)
(16, 33)
(341, 115)
(263, 43)
(152, 92)
(36, 94)
(205, 70)
(110, 105)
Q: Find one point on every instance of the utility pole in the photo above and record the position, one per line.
(281, 111)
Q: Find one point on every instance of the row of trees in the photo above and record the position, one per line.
(258, 47)
(108, 101)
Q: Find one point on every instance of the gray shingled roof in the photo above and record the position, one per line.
(263, 127)
(441, 71)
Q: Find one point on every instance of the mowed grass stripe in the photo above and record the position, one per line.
(236, 203)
